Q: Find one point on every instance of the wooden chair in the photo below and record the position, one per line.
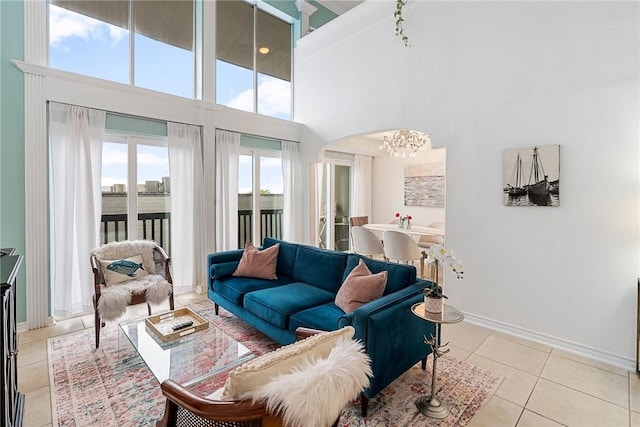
(120, 250)
(185, 409)
(358, 221)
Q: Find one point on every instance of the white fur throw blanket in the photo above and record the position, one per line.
(114, 299)
(314, 393)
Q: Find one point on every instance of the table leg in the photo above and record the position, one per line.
(431, 406)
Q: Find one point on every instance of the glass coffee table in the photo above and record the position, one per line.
(187, 360)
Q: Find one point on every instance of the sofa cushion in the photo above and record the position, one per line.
(258, 264)
(360, 287)
(320, 267)
(261, 370)
(276, 305)
(325, 317)
(399, 276)
(286, 255)
(235, 288)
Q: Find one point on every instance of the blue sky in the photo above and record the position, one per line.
(87, 46)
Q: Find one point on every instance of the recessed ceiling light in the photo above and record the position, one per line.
(263, 50)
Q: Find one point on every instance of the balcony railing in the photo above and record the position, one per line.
(270, 225)
(157, 227)
(154, 226)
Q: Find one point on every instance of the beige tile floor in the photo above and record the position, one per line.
(542, 386)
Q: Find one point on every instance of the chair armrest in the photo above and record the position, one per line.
(98, 276)
(218, 410)
(163, 259)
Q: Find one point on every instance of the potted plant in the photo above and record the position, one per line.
(433, 295)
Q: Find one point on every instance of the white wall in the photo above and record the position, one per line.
(388, 189)
(481, 77)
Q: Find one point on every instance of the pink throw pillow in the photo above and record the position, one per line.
(258, 264)
(360, 287)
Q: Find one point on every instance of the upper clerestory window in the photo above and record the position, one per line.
(147, 43)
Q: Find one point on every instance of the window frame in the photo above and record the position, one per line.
(256, 154)
(133, 141)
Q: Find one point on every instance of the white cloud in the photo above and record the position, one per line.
(274, 98)
(64, 24)
(242, 101)
(152, 159)
(111, 156)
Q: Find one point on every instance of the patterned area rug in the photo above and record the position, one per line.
(112, 386)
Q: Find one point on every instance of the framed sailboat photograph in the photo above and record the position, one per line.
(531, 176)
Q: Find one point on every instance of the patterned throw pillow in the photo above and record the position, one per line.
(258, 264)
(122, 270)
(360, 287)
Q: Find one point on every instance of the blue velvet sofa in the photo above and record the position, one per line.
(303, 296)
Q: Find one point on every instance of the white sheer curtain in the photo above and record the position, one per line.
(361, 186)
(187, 225)
(75, 143)
(227, 158)
(292, 177)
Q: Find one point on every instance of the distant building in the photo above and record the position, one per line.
(166, 184)
(142, 188)
(119, 188)
(152, 187)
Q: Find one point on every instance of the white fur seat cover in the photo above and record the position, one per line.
(114, 299)
(314, 392)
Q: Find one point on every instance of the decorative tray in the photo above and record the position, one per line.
(163, 324)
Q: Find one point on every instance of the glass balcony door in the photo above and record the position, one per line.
(333, 205)
(136, 184)
(260, 196)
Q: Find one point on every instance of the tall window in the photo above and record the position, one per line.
(260, 196)
(136, 184)
(95, 38)
(253, 60)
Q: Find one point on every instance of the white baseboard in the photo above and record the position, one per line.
(24, 326)
(599, 355)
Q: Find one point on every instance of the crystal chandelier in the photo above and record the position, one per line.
(405, 142)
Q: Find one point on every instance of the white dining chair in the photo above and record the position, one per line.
(425, 242)
(366, 242)
(401, 247)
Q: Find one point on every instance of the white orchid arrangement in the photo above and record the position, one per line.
(438, 254)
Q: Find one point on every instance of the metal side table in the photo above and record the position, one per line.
(431, 406)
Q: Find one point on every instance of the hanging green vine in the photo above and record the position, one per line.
(399, 20)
